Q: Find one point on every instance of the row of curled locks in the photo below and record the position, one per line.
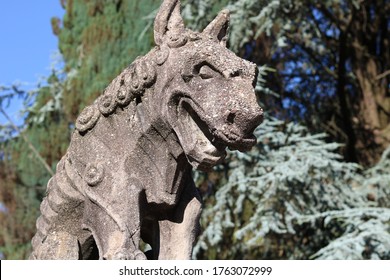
(130, 84)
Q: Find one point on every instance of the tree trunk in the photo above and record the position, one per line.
(370, 60)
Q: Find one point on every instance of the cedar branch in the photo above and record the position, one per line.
(30, 145)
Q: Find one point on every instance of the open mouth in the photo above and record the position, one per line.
(206, 144)
(225, 136)
(204, 150)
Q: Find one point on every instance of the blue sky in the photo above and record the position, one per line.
(26, 42)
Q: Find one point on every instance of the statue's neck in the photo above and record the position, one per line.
(158, 160)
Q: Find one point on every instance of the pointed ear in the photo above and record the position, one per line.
(168, 20)
(218, 29)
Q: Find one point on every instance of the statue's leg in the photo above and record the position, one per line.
(59, 225)
(57, 246)
(178, 234)
(114, 220)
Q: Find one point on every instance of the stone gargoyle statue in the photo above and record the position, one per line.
(126, 175)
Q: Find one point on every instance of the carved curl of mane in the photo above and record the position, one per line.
(129, 85)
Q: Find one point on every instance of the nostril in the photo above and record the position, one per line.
(235, 73)
(230, 118)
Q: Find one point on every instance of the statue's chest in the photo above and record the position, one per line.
(161, 168)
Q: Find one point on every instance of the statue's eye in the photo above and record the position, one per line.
(205, 72)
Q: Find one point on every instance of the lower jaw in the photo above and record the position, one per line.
(205, 162)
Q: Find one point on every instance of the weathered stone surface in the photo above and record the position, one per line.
(127, 172)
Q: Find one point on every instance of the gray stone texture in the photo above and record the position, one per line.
(127, 173)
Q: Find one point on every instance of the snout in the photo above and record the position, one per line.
(245, 120)
(239, 125)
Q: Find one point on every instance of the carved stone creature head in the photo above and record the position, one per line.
(208, 91)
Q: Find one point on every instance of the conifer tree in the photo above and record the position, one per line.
(323, 69)
(98, 39)
(292, 197)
